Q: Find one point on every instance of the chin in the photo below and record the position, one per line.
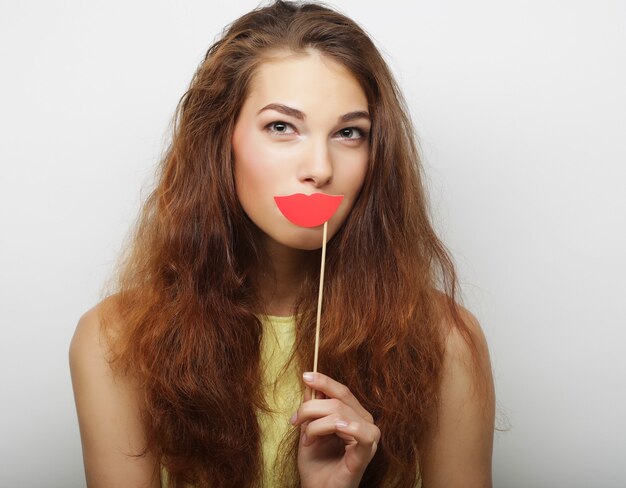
(292, 236)
(300, 238)
(303, 239)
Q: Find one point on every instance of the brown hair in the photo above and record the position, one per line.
(184, 292)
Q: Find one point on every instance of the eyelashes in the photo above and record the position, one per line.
(273, 126)
(360, 132)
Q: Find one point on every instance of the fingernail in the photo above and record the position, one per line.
(293, 418)
(341, 424)
(309, 377)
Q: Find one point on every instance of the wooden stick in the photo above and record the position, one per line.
(319, 303)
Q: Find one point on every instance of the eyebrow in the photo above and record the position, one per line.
(294, 112)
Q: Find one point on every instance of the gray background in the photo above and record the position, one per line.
(521, 112)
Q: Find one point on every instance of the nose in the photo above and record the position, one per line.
(316, 166)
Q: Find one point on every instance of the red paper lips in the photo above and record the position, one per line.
(308, 210)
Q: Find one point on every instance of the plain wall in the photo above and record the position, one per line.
(520, 109)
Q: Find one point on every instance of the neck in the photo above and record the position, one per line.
(279, 281)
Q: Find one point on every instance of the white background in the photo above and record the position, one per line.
(521, 111)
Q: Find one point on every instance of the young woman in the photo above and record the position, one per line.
(195, 370)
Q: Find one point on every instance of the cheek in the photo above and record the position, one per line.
(353, 174)
(249, 177)
(252, 171)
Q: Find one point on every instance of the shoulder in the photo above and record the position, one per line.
(91, 347)
(89, 351)
(463, 434)
(109, 410)
(87, 337)
(464, 342)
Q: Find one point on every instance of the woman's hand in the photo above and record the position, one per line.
(338, 437)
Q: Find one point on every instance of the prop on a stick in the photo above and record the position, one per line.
(311, 211)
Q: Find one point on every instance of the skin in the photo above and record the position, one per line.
(108, 409)
(278, 153)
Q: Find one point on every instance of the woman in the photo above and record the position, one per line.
(194, 370)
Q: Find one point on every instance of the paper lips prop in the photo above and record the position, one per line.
(308, 210)
(311, 211)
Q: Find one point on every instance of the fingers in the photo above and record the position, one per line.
(335, 410)
(330, 410)
(333, 389)
(315, 409)
(351, 431)
(362, 437)
(308, 394)
(331, 416)
(367, 437)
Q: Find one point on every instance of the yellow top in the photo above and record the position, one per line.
(283, 394)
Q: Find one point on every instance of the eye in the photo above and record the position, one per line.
(279, 128)
(352, 133)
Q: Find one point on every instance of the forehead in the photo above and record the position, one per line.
(309, 80)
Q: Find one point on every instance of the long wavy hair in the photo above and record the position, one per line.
(184, 295)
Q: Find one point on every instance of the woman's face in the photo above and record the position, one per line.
(304, 128)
